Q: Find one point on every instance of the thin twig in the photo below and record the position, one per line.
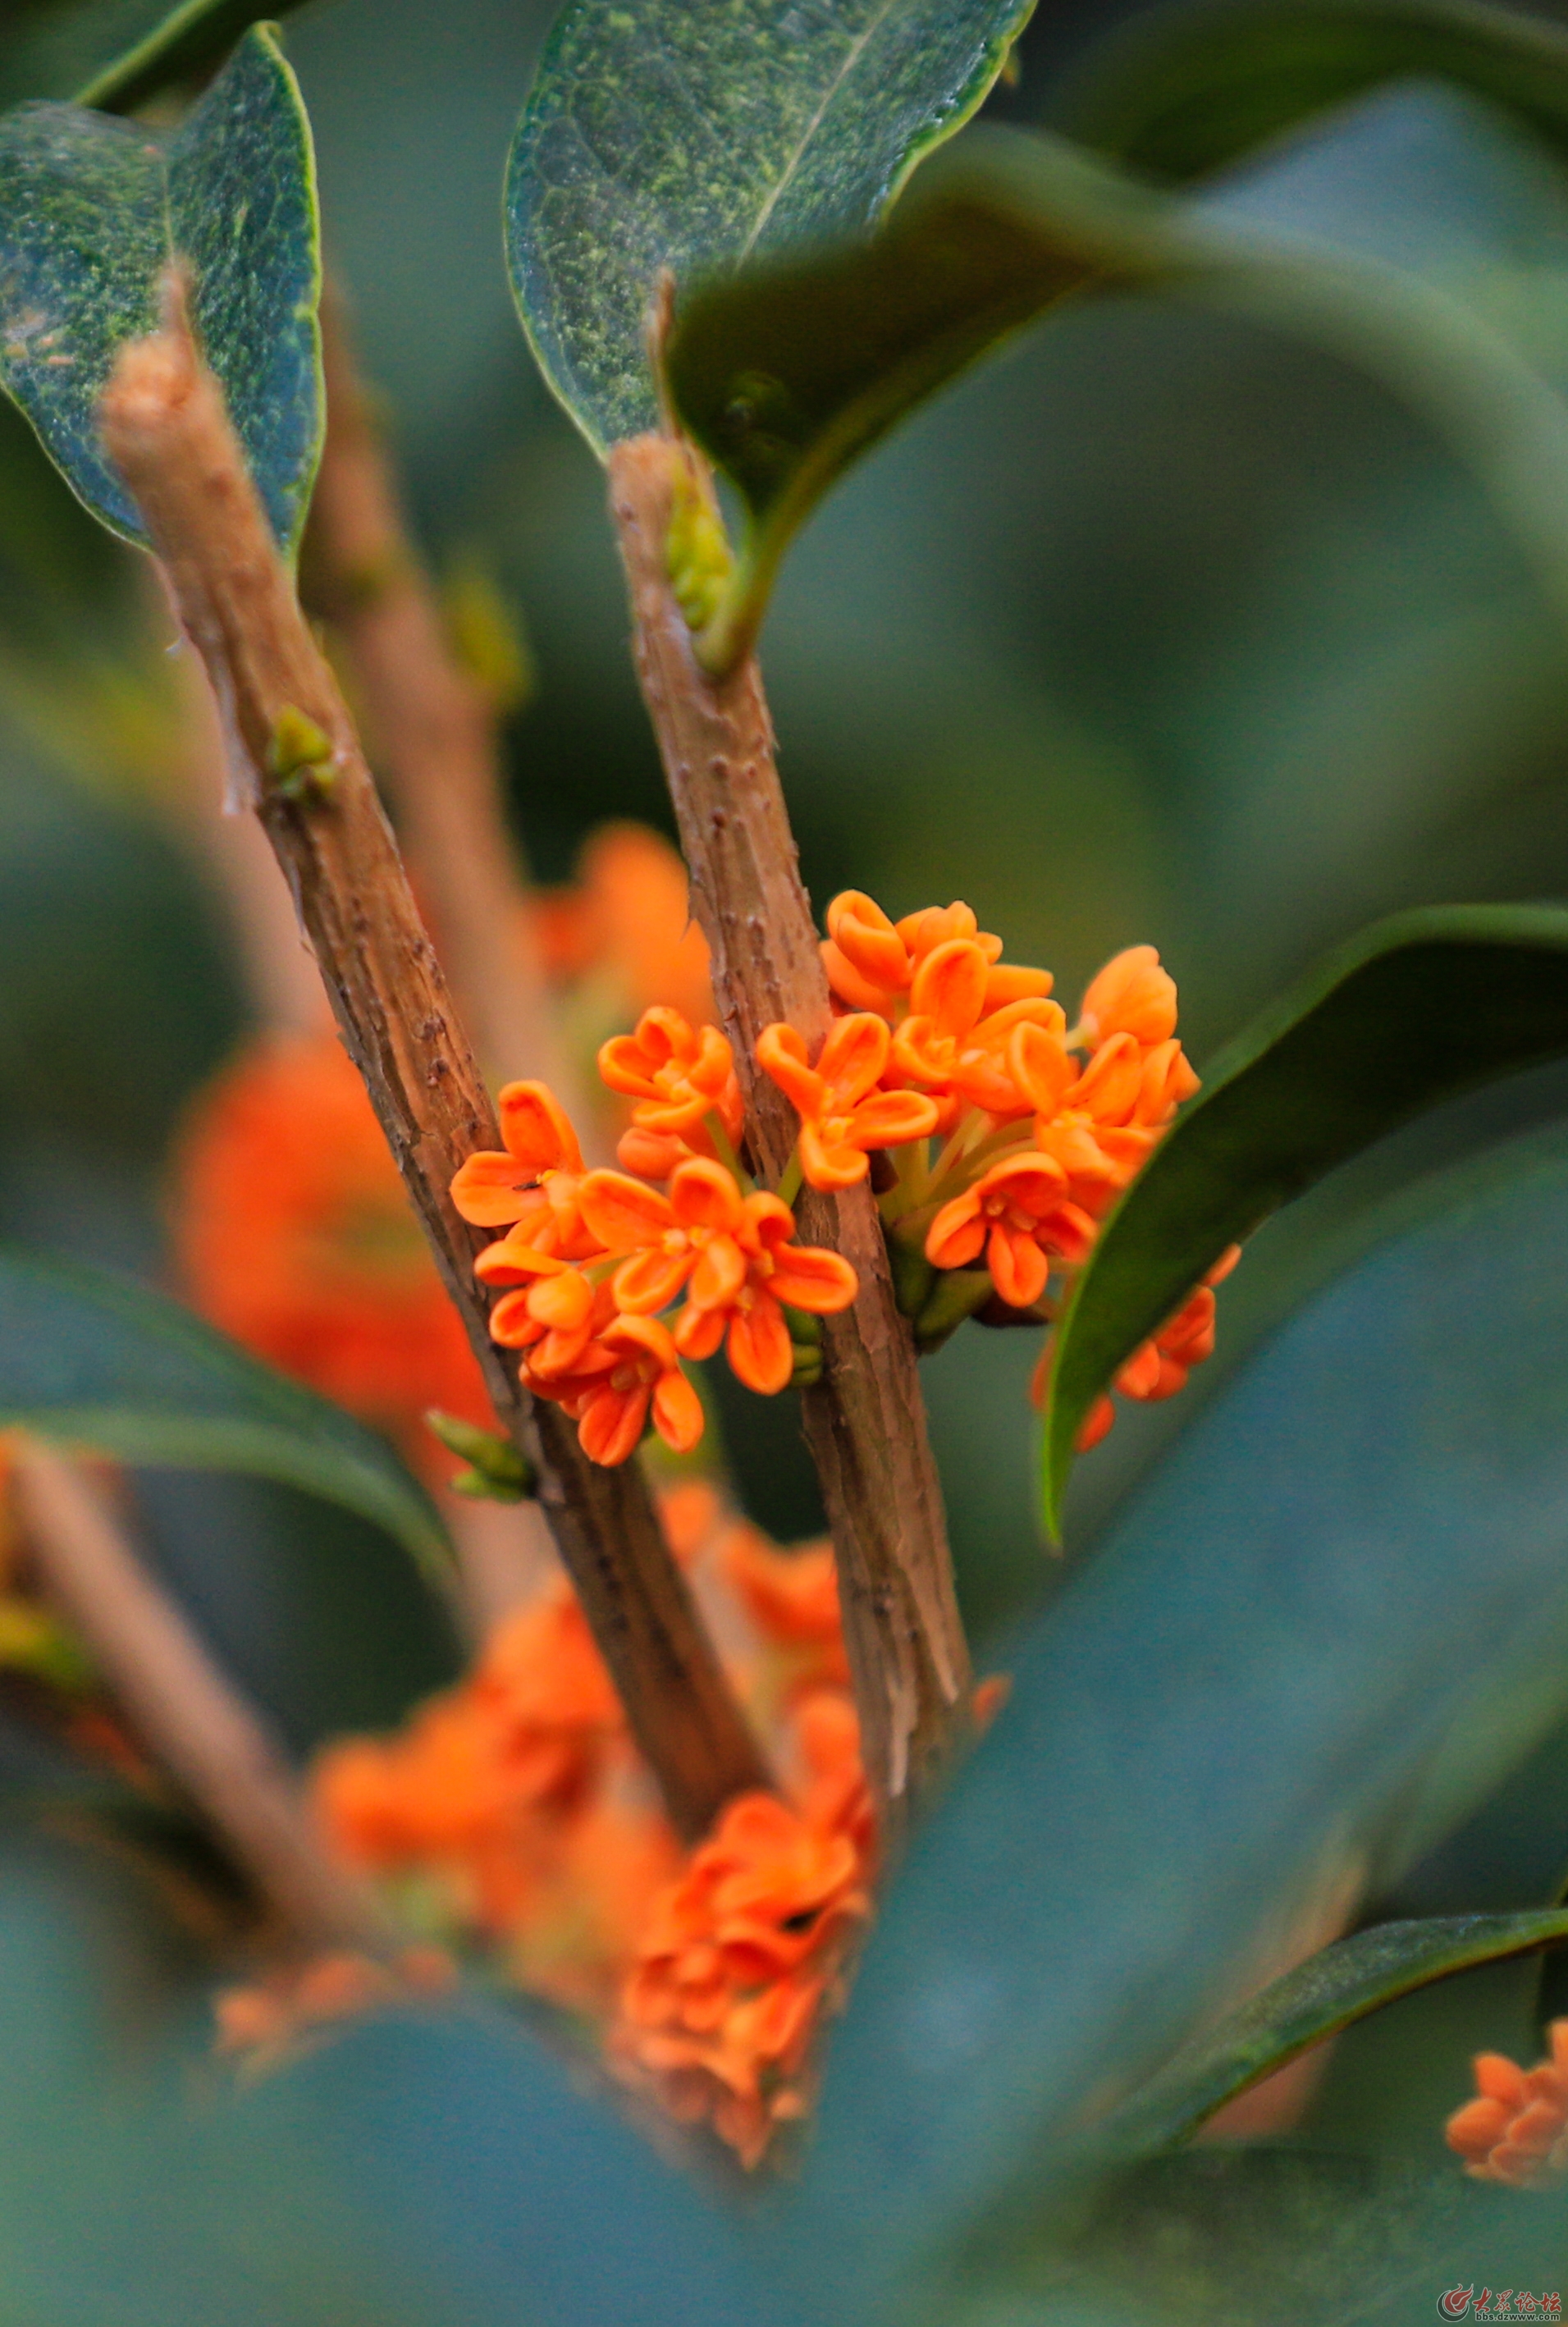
(865, 1423)
(431, 735)
(297, 760)
(192, 1720)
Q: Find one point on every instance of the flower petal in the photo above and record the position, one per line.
(677, 1412)
(1131, 995)
(893, 1118)
(512, 1323)
(807, 1277)
(535, 1128)
(830, 1164)
(611, 1424)
(949, 986)
(781, 1055)
(623, 1213)
(697, 1332)
(1019, 1269)
(759, 1349)
(958, 1233)
(650, 1280)
(719, 1275)
(852, 1056)
(1037, 1062)
(491, 1190)
(863, 934)
(704, 1195)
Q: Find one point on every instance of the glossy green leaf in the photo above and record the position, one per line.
(1342, 1983)
(1192, 89)
(1415, 1010)
(659, 134)
(92, 211)
(788, 374)
(1314, 1640)
(89, 1359)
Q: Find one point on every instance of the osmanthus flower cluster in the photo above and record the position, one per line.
(996, 1134)
(1515, 2129)
(591, 1258)
(511, 1816)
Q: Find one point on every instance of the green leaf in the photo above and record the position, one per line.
(788, 374)
(116, 54)
(1342, 1983)
(187, 42)
(1315, 1639)
(1193, 88)
(659, 134)
(89, 1359)
(1413, 1011)
(92, 211)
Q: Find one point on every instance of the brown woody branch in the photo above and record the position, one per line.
(166, 429)
(865, 1422)
(432, 734)
(193, 1722)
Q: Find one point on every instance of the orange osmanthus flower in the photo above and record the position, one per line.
(292, 1233)
(742, 1953)
(1019, 1214)
(872, 961)
(954, 1043)
(1102, 1121)
(676, 1074)
(1132, 995)
(1515, 2130)
(842, 1113)
(1158, 1366)
(733, 1256)
(532, 1183)
(644, 1376)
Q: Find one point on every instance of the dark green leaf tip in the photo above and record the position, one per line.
(92, 212)
(1341, 1984)
(1416, 1010)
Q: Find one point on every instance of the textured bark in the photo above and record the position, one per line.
(165, 426)
(431, 733)
(865, 1423)
(190, 1718)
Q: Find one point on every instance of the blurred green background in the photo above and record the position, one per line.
(1159, 628)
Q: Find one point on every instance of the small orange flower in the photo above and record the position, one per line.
(740, 1956)
(953, 1042)
(533, 1182)
(1515, 2130)
(843, 1114)
(871, 961)
(644, 1375)
(749, 1318)
(677, 1074)
(1158, 1366)
(791, 1598)
(1020, 1215)
(1100, 1124)
(1133, 994)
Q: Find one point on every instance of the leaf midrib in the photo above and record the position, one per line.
(852, 58)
